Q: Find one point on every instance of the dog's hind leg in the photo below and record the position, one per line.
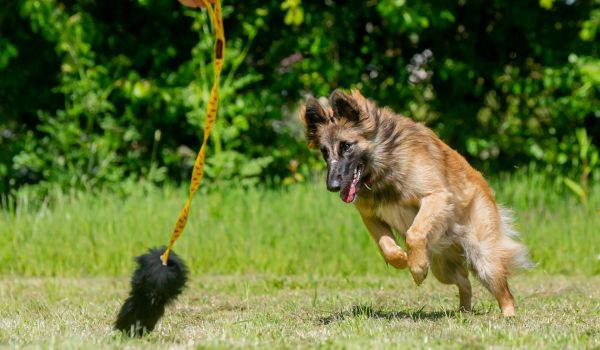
(464, 289)
(490, 270)
(491, 253)
(454, 272)
(499, 288)
(485, 259)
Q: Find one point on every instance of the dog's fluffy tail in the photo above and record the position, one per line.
(492, 257)
(518, 254)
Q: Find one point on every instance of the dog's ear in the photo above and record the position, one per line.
(345, 106)
(312, 114)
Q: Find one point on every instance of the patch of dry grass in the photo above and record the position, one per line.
(333, 312)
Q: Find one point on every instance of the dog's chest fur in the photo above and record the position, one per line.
(398, 215)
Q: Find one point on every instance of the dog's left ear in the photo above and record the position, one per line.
(313, 115)
(345, 106)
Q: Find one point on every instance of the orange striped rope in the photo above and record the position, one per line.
(214, 11)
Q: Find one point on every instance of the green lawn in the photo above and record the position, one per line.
(297, 230)
(284, 268)
(277, 311)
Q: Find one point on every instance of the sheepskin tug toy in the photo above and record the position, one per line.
(161, 275)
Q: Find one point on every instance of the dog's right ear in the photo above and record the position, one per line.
(312, 115)
(345, 106)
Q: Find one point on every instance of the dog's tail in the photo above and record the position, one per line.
(492, 256)
(516, 252)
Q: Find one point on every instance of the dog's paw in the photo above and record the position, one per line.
(396, 258)
(418, 265)
(508, 311)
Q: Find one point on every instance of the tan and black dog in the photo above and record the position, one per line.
(402, 177)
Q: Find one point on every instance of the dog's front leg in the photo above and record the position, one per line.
(392, 253)
(431, 221)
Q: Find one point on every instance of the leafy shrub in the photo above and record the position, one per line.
(92, 93)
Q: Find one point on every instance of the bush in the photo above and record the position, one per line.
(92, 93)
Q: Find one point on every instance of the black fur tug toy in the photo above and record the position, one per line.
(153, 286)
(161, 275)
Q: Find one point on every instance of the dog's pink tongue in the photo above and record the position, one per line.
(349, 197)
(351, 192)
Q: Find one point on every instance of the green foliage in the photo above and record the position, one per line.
(94, 93)
(294, 12)
(588, 158)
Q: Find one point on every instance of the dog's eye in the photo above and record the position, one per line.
(345, 146)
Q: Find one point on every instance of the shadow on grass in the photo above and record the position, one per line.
(370, 312)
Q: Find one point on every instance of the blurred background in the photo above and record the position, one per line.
(102, 107)
(95, 92)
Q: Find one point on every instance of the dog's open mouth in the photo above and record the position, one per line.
(350, 191)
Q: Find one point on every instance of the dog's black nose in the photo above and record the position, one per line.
(333, 185)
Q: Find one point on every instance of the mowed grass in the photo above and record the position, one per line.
(381, 312)
(284, 268)
(296, 230)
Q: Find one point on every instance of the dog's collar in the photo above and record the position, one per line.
(368, 182)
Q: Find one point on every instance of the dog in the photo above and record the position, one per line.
(401, 177)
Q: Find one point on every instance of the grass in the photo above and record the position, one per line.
(283, 268)
(297, 230)
(291, 312)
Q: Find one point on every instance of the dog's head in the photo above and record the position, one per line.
(342, 129)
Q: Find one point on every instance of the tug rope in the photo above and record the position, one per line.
(214, 11)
